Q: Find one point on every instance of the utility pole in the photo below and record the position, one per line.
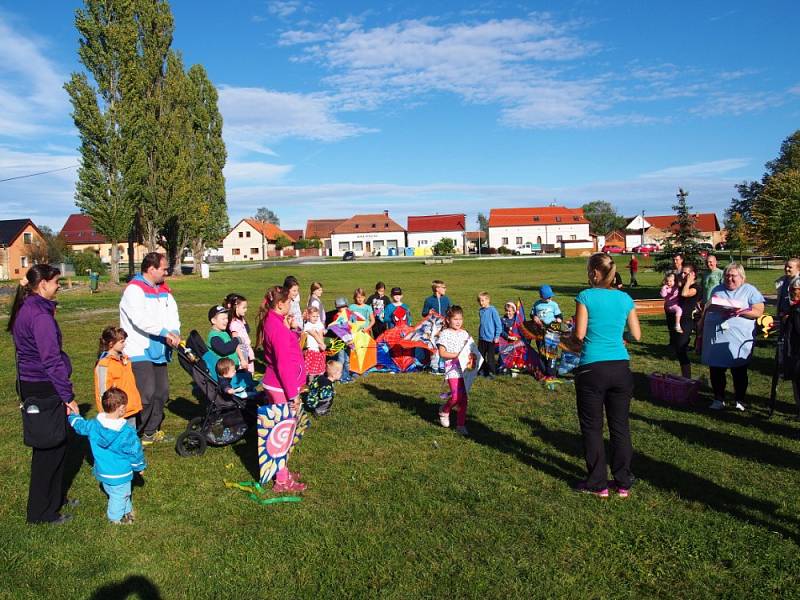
(642, 228)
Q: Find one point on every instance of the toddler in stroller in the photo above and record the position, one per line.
(223, 423)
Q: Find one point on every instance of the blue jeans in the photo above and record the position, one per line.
(344, 357)
(119, 500)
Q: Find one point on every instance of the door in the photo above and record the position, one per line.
(369, 248)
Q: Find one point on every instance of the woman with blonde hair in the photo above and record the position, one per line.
(603, 379)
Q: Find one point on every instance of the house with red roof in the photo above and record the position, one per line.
(544, 225)
(252, 240)
(368, 235)
(322, 229)
(80, 235)
(424, 232)
(656, 228)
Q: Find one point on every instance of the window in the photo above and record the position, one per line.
(519, 241)
(356, 225)
(558, 219)
(374, 226)
(27, 238)
(236, 251)
(246, 234)
(358, 246)
(422, 242)
(23, 262)
(576, 219)
(386, 226)
(504, 241)
(391, 244)
(253, 250)
(535, 218)
(559, 238)
(538, 239)
(344, 246)
(241, 234)
(573, 237)
(378, 244)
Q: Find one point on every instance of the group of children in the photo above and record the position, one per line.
(117, 448)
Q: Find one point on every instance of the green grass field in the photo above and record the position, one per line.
(397, 507)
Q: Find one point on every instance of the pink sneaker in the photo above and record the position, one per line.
(290, 485)
(581, 487)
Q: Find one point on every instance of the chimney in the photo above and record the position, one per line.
(385, 213)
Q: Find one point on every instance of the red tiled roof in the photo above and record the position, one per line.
(428, 223)
(79, 229)
(537, 215)
(703, 221)
(361, 223)
(270, 231)
(321, 228)
(475, 235)
(295, 234)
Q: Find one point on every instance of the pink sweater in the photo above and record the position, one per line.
(285, 369)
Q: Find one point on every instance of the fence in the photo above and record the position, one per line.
(765, 262)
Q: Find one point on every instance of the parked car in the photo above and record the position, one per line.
(349, 255)
(528, 248)
(646, 248)
(705, 248)
(721, 246)
(613, 249)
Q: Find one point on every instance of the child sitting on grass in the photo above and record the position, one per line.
(671, 293)
(117, 453)
(318, 399)
(451, 342)
(113, 369)
(545, 311)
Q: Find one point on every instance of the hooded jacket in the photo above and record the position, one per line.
(285, 369)
(115, 446)
(148, 313)
(116, 372)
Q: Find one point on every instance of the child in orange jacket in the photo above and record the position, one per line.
(113, 369)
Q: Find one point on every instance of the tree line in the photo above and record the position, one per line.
(151, 145)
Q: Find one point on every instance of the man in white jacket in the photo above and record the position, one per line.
(149, 315)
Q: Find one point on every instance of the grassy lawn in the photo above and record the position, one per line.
(397, 507)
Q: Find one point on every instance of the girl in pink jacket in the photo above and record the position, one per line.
(285, 371)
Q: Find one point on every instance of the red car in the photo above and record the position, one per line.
(613, 249)
(646, 249)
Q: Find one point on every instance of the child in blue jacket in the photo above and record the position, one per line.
(489, 331)
(117, 452)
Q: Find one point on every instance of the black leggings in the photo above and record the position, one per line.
(740, 382)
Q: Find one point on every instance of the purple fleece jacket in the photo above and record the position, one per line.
(37, 338)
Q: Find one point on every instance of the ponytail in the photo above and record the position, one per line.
(273, 296)
(28, 285)
(605, 267)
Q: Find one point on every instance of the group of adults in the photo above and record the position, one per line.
(149, 316)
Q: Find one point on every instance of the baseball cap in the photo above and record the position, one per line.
(215, 310)
(546, 291)
(396, 291)
(340, 302)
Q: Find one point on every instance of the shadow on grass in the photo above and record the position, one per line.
(247, 451)
(137, 586)
(733, 445)
(687, 485)
(479, 433)
(187, 409)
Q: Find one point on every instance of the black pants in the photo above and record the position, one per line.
(152, 381)
(740, 381)
(486, 348)
(46, 492)
(634, 282)
(609, 385)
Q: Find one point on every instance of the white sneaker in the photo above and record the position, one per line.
(740, 406)
(717, 405)
(462, 430)
(444, 419)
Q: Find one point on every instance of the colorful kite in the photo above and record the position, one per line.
(279, 431)
(395, 351)
(470, 360)
(364, 355)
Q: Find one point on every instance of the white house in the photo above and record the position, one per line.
(656, 228)
(427, 231)
(546, 225)
(368, 235)
(252, 240)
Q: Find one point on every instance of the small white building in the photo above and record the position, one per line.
(368, 235)
(427, 231)
(545, 225)
(252, 240)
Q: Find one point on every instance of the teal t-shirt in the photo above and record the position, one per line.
(608, 314)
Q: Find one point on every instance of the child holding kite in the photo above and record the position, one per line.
(452, 342)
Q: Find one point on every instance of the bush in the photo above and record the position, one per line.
(87, 259)
(444, 246)
(504, 250)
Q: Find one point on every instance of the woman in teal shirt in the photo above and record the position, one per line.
(603, 380)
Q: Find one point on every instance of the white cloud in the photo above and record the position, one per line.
(701, 169)
(283, 8)
(255, 117)
(238, 173)
(31, 92)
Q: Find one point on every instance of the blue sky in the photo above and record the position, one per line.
(333, 108)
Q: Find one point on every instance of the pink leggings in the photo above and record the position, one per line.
(458, 398)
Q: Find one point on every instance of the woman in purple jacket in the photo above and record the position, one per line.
(45, 389)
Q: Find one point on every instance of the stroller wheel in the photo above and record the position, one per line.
(195, 424)
(190, 443)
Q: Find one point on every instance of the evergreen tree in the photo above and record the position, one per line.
(684, 237)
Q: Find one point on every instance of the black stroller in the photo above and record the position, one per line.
(223, 423)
